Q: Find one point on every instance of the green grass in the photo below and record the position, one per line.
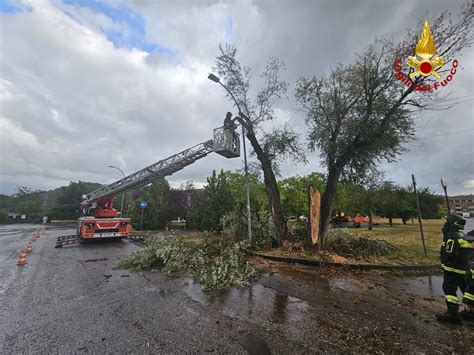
(407, 240)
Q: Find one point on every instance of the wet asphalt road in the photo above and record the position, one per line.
(73, 300)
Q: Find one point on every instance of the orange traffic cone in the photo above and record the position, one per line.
(22, 260)
(29, 248)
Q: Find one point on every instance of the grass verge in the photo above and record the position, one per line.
(397, 245)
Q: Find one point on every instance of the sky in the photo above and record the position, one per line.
(85, 84)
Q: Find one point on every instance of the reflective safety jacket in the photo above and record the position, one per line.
(455, 252)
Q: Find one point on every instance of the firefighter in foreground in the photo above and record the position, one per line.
(455, 255)
(468, 313)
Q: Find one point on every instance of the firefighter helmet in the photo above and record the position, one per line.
(455, 221)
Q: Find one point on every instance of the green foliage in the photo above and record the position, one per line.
(263, 229)
(388, 200)
(68, 199)
(155, 215)
(61, 203)
(282, 143)
(345, 198)
(258, 197)
(430, 204)
(294, 192)
(24, 201)
(354, 115)
(29, 203)
(392, 201)
(402, 203)
(3, 215)
(340, 242)
(8, 203)
(214, 266)
(406, 208)
(218, 200)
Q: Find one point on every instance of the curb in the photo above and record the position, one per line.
(314, 262)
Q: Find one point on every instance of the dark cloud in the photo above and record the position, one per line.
(72, 102)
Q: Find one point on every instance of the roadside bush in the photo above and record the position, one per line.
(298, 237)
(214, 265)
(263, 230)
(340, 242)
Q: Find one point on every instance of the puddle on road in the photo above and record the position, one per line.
(343, 284)
(253, 301)
(426, 286)
(253, 344)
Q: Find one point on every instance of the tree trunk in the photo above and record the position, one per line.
(371, 219)
(271, 188)
(327, 203)
(390, 221)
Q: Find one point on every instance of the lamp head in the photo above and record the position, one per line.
(213, 78)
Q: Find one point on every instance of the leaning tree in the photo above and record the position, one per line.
(268, 147)
(362, 113)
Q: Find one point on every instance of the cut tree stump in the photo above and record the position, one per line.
(314, 213)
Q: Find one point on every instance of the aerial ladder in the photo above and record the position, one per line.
(99, 219)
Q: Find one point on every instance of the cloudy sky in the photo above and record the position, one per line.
(85, 84)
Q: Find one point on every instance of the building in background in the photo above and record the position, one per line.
(462, 204)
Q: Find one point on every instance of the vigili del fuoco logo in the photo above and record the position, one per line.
(425, 63)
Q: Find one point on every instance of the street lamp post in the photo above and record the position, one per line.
(123, 193)
(444, 184)
(247, 191)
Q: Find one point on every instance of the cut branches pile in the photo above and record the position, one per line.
(214, 265)
(340, 242)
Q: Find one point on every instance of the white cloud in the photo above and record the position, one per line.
(72, 103)
(468, 184)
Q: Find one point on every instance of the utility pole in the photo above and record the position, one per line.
(419, 213)
(445, 188)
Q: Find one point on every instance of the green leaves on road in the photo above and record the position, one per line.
(214, 265)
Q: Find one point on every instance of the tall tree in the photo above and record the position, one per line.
(268, 147)
(155, 215)
(389, 203)
(207, 213)
(430, 204)
(67, 199)
(360, 114)
(407, 208)
(294, 192)
(366, 194)
(258, 199)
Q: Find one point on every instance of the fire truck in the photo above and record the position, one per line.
(99, 217)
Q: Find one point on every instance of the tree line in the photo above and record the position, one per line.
(221, 204)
